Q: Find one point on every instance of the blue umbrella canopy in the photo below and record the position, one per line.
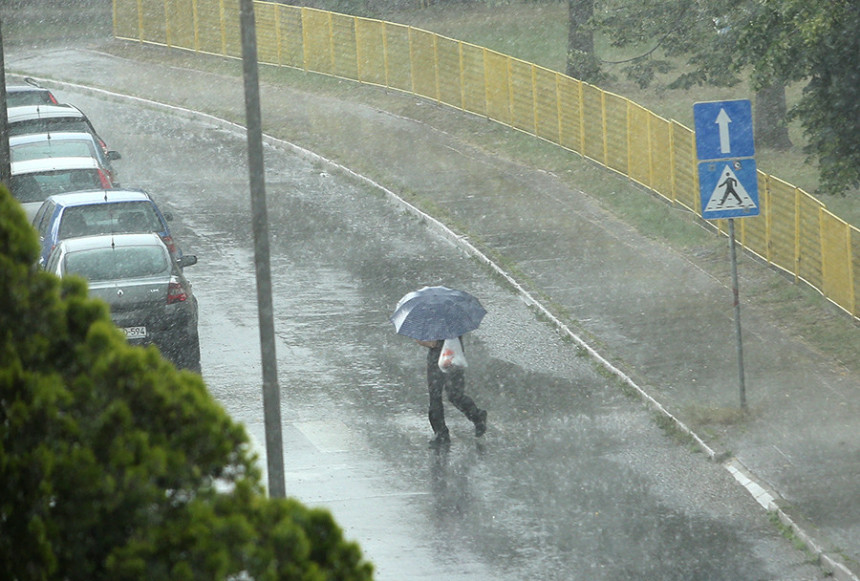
(437, 312)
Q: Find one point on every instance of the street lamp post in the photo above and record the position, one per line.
(256, 169)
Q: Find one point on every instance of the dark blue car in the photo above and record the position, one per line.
(86, 213)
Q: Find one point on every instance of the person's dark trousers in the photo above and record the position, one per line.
(454, 383)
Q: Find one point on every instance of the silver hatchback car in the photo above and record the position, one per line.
(149, 297)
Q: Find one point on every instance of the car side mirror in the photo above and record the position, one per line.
(113, 155)
(186, 260)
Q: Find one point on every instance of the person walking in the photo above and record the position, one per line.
(453, 383)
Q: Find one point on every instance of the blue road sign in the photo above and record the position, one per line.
(724, 129)
(728, 188)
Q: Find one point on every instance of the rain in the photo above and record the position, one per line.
(578, 475)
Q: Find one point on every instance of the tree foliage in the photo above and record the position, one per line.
(771, 43)
(114, 465)
(817, 42)
(668, 30)
(582, 63)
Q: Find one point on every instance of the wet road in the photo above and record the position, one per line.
(573, 480)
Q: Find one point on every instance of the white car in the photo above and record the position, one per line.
(62, 144)
(50, 118)
(34, 180)
(29, 94)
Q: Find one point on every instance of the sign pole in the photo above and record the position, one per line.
(5, 161)
(737, 305)
(728, 181)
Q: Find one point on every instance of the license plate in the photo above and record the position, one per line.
(135, 332)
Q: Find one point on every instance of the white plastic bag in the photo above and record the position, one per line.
(452, 355)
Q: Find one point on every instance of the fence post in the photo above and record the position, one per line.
(436, 67)
(222, 20)
(279, 49)
(796, 235)
(140, 31)
(331, 67)
(195, 25)
(603, 126)
(767, 209)
(462, 75)
(850, 266)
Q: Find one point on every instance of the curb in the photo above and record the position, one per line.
(773, 503)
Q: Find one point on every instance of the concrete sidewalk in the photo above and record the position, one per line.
(659, 319)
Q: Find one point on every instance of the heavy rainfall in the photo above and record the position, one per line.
(600, 345)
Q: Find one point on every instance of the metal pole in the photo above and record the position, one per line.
(5, 159)
(737, 304)
(256, 168)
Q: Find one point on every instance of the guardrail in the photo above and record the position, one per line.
(794, 231)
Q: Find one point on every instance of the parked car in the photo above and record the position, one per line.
(29, 94)
(50, 118)
(63, 144)
(116, 211)
(149, 297)
(34, 180)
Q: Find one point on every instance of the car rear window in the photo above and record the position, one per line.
(42, 149)
(48, 125)
(26, 188)
(111, 218)
(28, 97)
(35, 187)
(123, 262)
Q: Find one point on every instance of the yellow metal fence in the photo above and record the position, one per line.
(794, 232)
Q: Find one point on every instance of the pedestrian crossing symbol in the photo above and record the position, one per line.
(728, 189)
(729, 194)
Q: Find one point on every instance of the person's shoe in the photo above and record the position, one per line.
(481, 423)
(442, 438)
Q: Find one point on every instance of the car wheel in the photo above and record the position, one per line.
(188, 354)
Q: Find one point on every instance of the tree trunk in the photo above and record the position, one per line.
(770, 112)
(581, 61)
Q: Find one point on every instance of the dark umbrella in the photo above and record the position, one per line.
(437, 312)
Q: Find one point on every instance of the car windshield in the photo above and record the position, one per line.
(48, 125)
(43, 149)
(36, 187)
(121, 262)
(111, 218)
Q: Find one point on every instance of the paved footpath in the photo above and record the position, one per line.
(662, 322)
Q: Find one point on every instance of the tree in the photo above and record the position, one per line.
(582, 63)
(703, 35)
(114, 465)
(771, 117)
(814, 41)
(771, 42)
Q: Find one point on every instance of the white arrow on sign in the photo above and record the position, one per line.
(723, 121)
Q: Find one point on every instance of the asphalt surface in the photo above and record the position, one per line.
(653, 317)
